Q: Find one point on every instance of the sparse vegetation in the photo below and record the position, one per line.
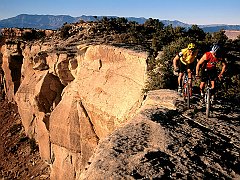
(33, 145)
(162, 43)
(64, 31)
(33, 35)
(15, 129)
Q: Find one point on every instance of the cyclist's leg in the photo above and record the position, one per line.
(180, 76)
(189, 75)
(212, 85)
(213, 76)
(189, 72)
(202, 84)
(202, 87)
(190, 68)
(212, 91)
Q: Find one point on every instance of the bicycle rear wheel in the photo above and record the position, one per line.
(208, 103)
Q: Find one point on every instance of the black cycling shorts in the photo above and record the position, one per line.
(211, 74)
(183, 67)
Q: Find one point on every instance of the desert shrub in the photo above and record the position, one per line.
(160, 71)
(121, 38)
(1, 39)
(33, 145)
(64, 31)
(16, 128)
(230, 85)
(33, 35)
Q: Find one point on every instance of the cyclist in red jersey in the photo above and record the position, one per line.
(208, 63)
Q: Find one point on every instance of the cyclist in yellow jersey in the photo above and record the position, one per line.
(184, 61)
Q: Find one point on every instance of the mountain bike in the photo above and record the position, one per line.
(187, 89)
(207, 97)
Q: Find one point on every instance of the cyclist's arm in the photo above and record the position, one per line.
(175, 59)
(223, 68)
(200, 62)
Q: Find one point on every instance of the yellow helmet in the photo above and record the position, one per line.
(191, 46)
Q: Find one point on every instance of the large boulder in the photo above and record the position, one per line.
(105, 93)
(110, 82)
(138, 149)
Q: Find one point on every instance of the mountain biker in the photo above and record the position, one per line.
(208, 63)
(184, 61)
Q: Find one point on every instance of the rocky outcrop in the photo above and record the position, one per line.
(12, 60)
(126, 153)
(72, 102)
(18, 32)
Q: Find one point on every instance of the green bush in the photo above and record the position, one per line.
(33, 35)
(64, 31)
(160, 69)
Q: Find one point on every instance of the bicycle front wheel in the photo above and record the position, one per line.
(187, 94)
(208, 103)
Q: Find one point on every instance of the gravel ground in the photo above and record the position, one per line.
(19, 155)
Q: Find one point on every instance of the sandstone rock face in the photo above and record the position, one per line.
(121, 153)
(72, 137)
(68, 103)
(162, 98)
(12, 60)
(110, 82)
(102, 97)
(127, 152)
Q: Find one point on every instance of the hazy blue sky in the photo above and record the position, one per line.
(187, 11)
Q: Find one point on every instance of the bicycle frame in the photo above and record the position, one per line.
(186, 89)
(208, 97)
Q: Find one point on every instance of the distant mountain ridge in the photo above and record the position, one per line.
(56, 21)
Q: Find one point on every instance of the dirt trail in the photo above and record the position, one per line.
(204, 148)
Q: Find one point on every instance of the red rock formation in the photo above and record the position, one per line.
(70, 102)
